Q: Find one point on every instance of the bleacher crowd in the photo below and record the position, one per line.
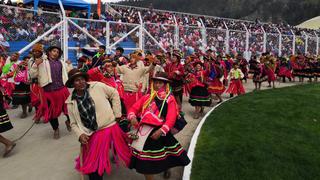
(132, 103)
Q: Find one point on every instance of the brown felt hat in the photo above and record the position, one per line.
(161, 76)
(73, 74)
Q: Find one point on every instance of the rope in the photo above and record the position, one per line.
(25, 132)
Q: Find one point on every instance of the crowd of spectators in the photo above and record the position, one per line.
(22, 24)
(216, 31)
(162, 25)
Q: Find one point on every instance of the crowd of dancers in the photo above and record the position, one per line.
(132, 105)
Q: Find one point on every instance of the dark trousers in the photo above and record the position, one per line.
(55, 123)
(95, 176)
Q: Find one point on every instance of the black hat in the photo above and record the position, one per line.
(73, 74)
(55, 47)
(102, 47)
(120, 49)
(161, 76)
(197, 62)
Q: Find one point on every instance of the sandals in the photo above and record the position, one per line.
(23, 115)
(56, 134)
(196, 116)
(68, 125)
(8, 151)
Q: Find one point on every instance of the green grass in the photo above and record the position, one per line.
(273, 134)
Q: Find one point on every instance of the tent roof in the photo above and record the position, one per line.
(313, 23)
(80, 4)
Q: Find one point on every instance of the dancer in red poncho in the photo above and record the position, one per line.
(175, 72)
(156, 150)
(106, 74)
(199, 95)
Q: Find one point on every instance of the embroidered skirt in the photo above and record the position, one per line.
(159, 155)
(5, 124)
(199, 96)
(216, 86)
(285, 72)
(21, 94)
(317, 72)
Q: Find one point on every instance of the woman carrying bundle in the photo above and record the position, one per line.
(156, 150)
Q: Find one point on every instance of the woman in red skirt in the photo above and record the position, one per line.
(235, 86)
(284, 70)
(269, 68)
(51, 73)
(199, 95)
(215, 86)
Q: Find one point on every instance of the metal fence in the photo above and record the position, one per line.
(73, 33)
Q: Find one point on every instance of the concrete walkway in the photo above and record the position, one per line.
(38, 156)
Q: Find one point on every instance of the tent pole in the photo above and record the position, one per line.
(65, 32)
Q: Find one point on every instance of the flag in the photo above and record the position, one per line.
(99, 8)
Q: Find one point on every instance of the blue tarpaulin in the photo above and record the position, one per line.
(67, 4)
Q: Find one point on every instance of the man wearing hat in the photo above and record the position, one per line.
(51, 73)
(119, 57)
(132, 74)
(97, 57)
(94, 109)
(106, 74)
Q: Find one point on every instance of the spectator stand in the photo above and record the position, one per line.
(273, 39)
(313, 41)
(21, 26)
(152, 30)
(89, 33)
(241, 36)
